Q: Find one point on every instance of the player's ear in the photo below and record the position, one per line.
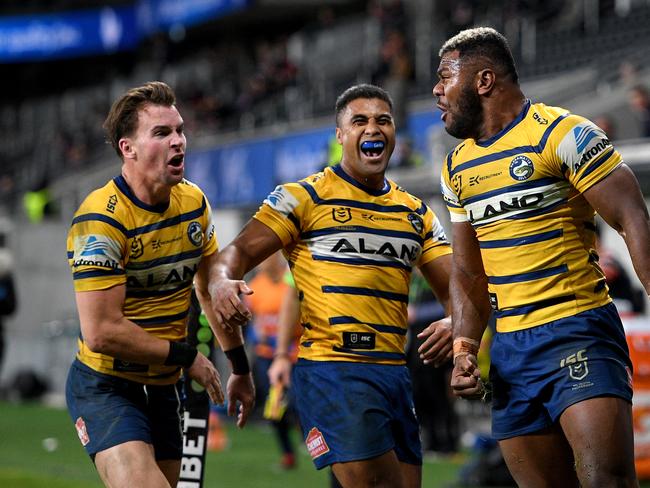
(339, 135)
(126, 146)
(485, 81)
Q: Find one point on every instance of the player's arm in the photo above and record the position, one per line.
(470, 309)
(280, 369)
(253, 245)
(106, 330)
(618, 200)
(240, 389)
(437, 345)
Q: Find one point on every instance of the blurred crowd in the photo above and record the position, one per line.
(240, 82)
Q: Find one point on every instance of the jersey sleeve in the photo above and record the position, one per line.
(210, 237)
(436, 243)
(584, 153)
(96, 247)
(449, 194)
(282, 211)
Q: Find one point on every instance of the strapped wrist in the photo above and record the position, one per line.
(464, 346)
(238, 360)
(181, 354)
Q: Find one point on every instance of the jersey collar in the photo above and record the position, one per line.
(519, 118)
(371, 191)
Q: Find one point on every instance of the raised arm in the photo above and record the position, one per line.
(618, 200)
(470, 309)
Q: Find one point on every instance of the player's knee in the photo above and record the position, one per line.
(603, 475)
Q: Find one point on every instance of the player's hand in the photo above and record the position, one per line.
(206, 375)
(466, 378)
(241, 397)
(230, 311)
(280, 371)
(437, 347)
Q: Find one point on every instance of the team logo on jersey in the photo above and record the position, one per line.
(316, 444)
(342, 214)
(195, 233)
(577, 364)
(521, 168)
(416, 221)
(81, 431)
(137, 248)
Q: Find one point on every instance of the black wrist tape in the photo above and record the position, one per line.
(181, 354)
(238, 360)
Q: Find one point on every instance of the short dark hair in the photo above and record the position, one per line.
(483, 42)
(363, 90)
(122, 119)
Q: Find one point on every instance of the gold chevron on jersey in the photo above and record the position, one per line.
(521, 191)
(351, 250)
(116, 239)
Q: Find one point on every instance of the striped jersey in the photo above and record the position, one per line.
(351, 250)
(521, 191)
(116, 239)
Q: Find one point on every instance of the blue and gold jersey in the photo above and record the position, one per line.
(116, 239)
(351, 250)
(521, 190)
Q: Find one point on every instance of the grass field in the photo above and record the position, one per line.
(249, 462)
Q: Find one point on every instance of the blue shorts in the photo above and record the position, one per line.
(108, 411)
(355, 411)
(537, 373)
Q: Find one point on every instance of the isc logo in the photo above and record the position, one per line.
(574, 358)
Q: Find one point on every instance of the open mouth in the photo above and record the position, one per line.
(177, 160)
(443, 111)
(372, 148)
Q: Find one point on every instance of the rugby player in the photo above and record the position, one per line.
(352, 238)
(522, 189)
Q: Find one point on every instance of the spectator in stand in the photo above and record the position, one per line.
(639, 100)
(406, 155)
(7, 288)
(394, 73)
(606, 123)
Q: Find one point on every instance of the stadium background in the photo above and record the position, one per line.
(256, 82)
